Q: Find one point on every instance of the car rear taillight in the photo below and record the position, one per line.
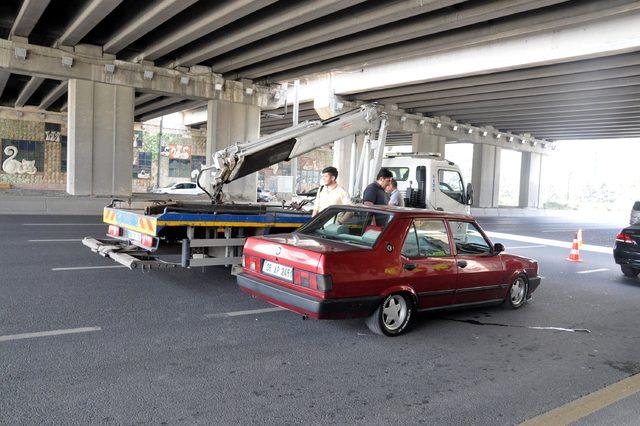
(624, 238)
(311, 280)
(114, 231)
(252, 263)
(146, 240)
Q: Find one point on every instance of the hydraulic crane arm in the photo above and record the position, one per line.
(243, 159)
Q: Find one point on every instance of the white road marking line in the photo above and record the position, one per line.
(48, 333)
(77, 268)
(60, 240)
(572, 330)
(62, 224)
(592, 271)
(524, 247)
(546, 242)
(241, 313)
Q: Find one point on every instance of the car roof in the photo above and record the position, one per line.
(409, 212)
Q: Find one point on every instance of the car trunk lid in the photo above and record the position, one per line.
(292, 260)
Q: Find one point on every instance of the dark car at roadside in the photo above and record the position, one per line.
(627, 250)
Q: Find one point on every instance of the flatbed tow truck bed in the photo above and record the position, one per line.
(158, 235)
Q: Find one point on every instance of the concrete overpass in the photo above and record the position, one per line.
(499, 73)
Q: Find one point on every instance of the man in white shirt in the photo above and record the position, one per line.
(330, 193)
(395, 196)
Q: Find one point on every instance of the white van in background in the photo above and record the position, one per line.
(634, 219)
(428, 181)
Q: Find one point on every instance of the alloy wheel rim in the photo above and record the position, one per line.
(394, 312)
(517, 291)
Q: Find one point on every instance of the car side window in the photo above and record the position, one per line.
(410, 246)
(427, 238)
(450, 183)
(468, 238)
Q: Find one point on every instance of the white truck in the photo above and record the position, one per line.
(428, 181)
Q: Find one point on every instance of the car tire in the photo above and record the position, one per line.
(517, 294)
(393, 316)
(628, 271)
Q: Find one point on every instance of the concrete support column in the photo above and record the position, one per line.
(229, 123)
(485, 175)
(342, 160)
(421, 142)
(100, 134)
(530, 173)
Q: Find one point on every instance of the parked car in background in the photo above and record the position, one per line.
(265, 196)
(180, 188)
(627, 250)
(305, 200)
(634, 219)
(386, 264)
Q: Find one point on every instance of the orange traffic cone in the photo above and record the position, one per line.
(574, 255)
(579, 238)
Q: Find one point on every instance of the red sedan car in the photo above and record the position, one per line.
(384, 263)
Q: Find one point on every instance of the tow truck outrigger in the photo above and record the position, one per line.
(152, 234)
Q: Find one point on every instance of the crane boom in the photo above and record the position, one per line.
(245, 158)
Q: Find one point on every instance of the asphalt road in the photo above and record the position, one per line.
(164, 349)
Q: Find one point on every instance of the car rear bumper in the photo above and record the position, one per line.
(534, 282)
(626, 257)
(352, 307)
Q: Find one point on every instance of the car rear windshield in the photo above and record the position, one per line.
(359, 227)
(636, 206)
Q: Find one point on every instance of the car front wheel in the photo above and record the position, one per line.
(630, 272)
(392, 316)
(517, 295)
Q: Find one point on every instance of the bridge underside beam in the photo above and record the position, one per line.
(47, 62)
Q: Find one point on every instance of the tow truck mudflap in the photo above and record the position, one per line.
(126, 254)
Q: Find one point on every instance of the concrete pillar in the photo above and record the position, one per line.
(342, 160)
(530, 173)
(100, 135)
(227, 124)
(421, 142)
(485, 175)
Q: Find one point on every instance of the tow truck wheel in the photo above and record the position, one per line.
(392, 317)
(630, 272)
(517, 295)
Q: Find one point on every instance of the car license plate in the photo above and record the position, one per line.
(134, 236)
(278, 270)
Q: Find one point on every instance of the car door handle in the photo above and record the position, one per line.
(409, 266)
(462, 263)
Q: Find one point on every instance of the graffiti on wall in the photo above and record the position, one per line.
(13, 166)
(179, 152)
(52, 132)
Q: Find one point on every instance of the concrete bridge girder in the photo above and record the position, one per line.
(197, 84)
(591, 68)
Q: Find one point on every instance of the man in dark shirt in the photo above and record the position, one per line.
(374, 193)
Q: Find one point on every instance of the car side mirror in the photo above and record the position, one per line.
(498, 248)
(469, 194)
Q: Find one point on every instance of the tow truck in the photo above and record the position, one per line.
(156, 234)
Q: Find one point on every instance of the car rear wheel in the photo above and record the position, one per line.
(517, 295)
(392, 316)
(630, 272)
